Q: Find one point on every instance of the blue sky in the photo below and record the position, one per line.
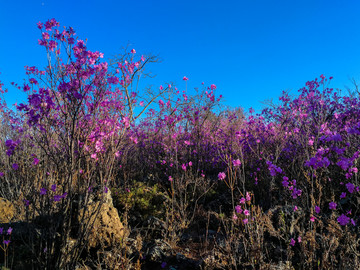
(252, 50)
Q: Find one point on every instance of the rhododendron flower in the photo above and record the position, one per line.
(343, 220)
(35, 161)
(292, 242)
(353, 222)
(350, 187)
(238, 209)
(183, 166)
(6, 242)
(236, 162)
(332, 205)
(221, 175)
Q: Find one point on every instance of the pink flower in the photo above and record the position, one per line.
(221, 175)
(183, 167)
(190, 163)
(242, 200)
(35, 161)
(213, 87)
(299, 239)
(248, 196)
(295, 208)
(238, 209)
(185, 78)
(235, 217)
(292, 242)
(171, 179)
(312, 219)
(246, 212)
(246, 221)
(133, 51)
(236, 162)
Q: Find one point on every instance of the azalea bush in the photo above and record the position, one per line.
(277, 187)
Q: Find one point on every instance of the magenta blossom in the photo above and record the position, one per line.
(292, 242)
(236, 162)
(221, 175)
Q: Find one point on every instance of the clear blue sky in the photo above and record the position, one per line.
(252, 50)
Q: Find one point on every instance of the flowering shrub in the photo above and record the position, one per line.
(277, 178)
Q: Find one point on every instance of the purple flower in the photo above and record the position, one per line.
(242, 200)
(343, 220)
(163, 265)
(9, 230)
(57, 198)
(64, 195)
(1, 230)
(350, 187)
(53, 188)
(353, 222)
(238, 209)
(292, 242)
(221, 175)
(332, 205)
(15, 166)
(246, 221)
(6, 242)
(26, 202)
(42, 191)
(343, 195)
(35, 161)
(317, 209)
